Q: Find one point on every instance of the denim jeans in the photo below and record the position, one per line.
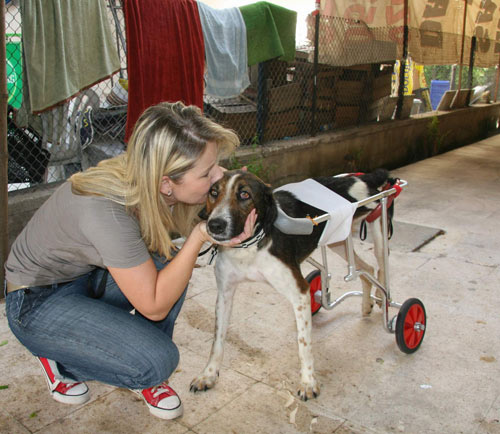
(95, 339)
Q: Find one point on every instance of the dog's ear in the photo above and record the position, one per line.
(266, 210)
(203, 214)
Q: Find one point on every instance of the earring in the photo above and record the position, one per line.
(169, 193)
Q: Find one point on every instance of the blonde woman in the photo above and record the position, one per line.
(101, 247)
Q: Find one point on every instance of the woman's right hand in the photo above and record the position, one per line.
(201, 231)
(247, 231)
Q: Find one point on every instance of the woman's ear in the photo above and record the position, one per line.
(166, 186)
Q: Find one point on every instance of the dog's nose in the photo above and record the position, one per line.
(217, 225)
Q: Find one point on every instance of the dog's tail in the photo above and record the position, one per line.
(375, 179)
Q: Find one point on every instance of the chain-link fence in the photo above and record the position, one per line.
(349, 78)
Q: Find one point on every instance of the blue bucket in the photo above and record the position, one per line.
(438, 88)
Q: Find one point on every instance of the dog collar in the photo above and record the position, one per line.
(255, 238)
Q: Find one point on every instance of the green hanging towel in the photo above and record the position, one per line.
(270, 32)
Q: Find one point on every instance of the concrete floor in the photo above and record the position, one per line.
(450, 385)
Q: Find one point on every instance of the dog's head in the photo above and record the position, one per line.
(231, 199)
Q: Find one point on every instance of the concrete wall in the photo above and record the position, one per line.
(387, 144)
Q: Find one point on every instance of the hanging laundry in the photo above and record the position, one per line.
(68, 47)
(165, 54)
(225, 37)
(270, 32)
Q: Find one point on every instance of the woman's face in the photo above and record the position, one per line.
(194, 185)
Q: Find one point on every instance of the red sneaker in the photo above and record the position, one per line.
(162, 401)
(63, 389)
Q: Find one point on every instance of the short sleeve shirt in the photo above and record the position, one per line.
(70, 235)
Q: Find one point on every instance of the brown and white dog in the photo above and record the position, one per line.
(274, 257)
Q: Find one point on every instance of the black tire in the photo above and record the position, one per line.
(314, 280)
(410, 325)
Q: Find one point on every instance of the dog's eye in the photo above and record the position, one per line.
(213, 192)
(244, 195)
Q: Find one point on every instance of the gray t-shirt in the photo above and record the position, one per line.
(70, 235)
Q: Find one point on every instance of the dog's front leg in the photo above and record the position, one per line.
(309, 387)
(226, 287)
(295, 288)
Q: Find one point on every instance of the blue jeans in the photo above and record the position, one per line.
(95, 339)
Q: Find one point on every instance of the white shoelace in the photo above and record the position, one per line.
(162, 388)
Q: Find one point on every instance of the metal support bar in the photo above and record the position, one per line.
(352, 272)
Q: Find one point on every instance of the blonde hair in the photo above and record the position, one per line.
(167, 140)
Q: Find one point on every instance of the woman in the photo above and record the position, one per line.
(101, 247)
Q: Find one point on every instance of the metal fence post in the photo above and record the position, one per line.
(402, 65)
(315, 69)
(471, 61)
(4, 198)
(262, 100)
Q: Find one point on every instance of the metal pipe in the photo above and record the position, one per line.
(315, 68)
(4, 156)
(463, 47)
(378, 196)
(471, 67)
(402, 64)
(262, 100)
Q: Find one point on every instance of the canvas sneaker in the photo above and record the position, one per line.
(61, 388)
(162, 401)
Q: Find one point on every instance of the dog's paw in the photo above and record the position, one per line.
(202, 383)
(308, 391)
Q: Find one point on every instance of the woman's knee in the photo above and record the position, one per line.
(156, 366)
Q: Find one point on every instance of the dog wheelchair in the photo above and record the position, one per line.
(410, 323)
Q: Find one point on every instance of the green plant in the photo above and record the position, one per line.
(429, 144)
(353, 161)
(256, 163)
(434, 140)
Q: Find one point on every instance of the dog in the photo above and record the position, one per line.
(274, 257)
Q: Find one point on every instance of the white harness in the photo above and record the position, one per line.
(313, 193)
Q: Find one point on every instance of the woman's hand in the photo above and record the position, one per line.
(247, 230)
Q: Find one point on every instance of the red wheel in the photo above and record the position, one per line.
(410, 325)
(314, 280)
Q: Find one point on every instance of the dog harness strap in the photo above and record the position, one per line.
(362, 230)
(213, 254)
(375, 214)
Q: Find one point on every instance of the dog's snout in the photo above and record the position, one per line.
(217, 226)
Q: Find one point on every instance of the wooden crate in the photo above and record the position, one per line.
(323, 118)
(381, 86)
(240, 117)
(346, 115)
(283, 98)
(282, 124)
(348, 92)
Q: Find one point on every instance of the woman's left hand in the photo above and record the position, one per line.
(247, 231)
